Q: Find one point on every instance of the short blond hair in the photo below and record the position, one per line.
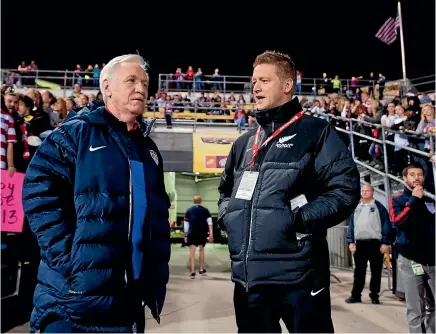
(285, 66)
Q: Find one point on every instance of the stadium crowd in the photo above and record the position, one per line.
(36, 113)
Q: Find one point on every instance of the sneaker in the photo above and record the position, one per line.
(375, 301)
(352, 300)
(192, 275)
(202, 272)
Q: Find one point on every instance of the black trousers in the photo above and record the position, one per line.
(303, 309)
(367, 250)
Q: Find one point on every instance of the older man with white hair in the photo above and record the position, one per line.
(95, 197)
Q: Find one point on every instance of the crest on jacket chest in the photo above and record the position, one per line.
(154, 156)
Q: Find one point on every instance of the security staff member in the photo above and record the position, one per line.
(368, 238)
(283, 186)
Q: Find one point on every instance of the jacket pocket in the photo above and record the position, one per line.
(274, 231)
(233, 222)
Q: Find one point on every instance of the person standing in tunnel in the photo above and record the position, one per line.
(198, 229)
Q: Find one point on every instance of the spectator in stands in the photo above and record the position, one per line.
(371, 83)
(36, 97)
(95, 197)
(401, 155)
(424, 98)
(179, 78)
(413, 217)
(12, 105)
(381, 85)
(76, 91)
(168, 112)
(325, 85)
(70, 104)
(189, 77)
(198, 78)
(368, 238)
(48, 100)
(240, 118)
(60, 108)
(99, 96)
(217, 78)
(151, 104)
(336, 84)
(83, 100)
(299, 82)
(35, 123)
(96, 74)
(8, 139)
(78, 75)
(388, 121)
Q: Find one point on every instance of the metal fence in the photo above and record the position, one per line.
(64, 80)
(340, 256)
(308, 86)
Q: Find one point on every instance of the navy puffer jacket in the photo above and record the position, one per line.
(78, 201)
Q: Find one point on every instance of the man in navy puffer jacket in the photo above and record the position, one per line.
(95, 197)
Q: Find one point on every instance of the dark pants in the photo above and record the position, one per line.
(367, 250)
(303, 309)
(168, 119)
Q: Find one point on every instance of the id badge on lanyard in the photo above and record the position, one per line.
(249, 178)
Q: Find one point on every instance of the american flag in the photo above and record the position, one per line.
(388, 31)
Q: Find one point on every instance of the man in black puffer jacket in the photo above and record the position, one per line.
(283, 186)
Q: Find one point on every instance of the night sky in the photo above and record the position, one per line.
(337, 37)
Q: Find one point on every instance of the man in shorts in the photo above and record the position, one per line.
(198, 228)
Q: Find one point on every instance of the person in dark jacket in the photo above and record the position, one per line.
(283, 186)
(413, 216)
(95, 198)
(368, 238)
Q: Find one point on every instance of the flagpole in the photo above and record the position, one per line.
(403, 55)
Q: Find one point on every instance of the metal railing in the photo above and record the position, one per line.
(308, 86)
(64, 80)
(384, 172)
(51, 79)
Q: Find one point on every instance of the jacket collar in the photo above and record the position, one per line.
(103, 117)
(280, 114)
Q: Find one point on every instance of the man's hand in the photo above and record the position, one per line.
(352, 247)
(12, 171)
(186, 240)
(210, 239)
(384, 249)
(418, 191)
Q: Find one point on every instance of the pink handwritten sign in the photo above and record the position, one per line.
(12, 216)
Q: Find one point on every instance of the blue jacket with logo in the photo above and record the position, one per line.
(79, 199)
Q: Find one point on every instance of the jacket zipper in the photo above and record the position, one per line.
(130, 211)
(251, 219)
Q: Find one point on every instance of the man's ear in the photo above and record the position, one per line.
(289, 85)
(107, 88)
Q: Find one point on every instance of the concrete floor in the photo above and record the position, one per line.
(205, 304)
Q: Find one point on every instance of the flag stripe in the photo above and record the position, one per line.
(388, 31)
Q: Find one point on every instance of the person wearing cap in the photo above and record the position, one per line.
(95, 197)
(284, 184)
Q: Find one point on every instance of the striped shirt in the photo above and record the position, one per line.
(7, 136)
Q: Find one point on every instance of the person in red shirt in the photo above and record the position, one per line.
(190, 76)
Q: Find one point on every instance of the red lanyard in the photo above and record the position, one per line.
(256, 148)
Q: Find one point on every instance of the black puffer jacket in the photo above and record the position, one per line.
(262, 232)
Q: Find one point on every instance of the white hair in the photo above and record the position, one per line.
(108, 70)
